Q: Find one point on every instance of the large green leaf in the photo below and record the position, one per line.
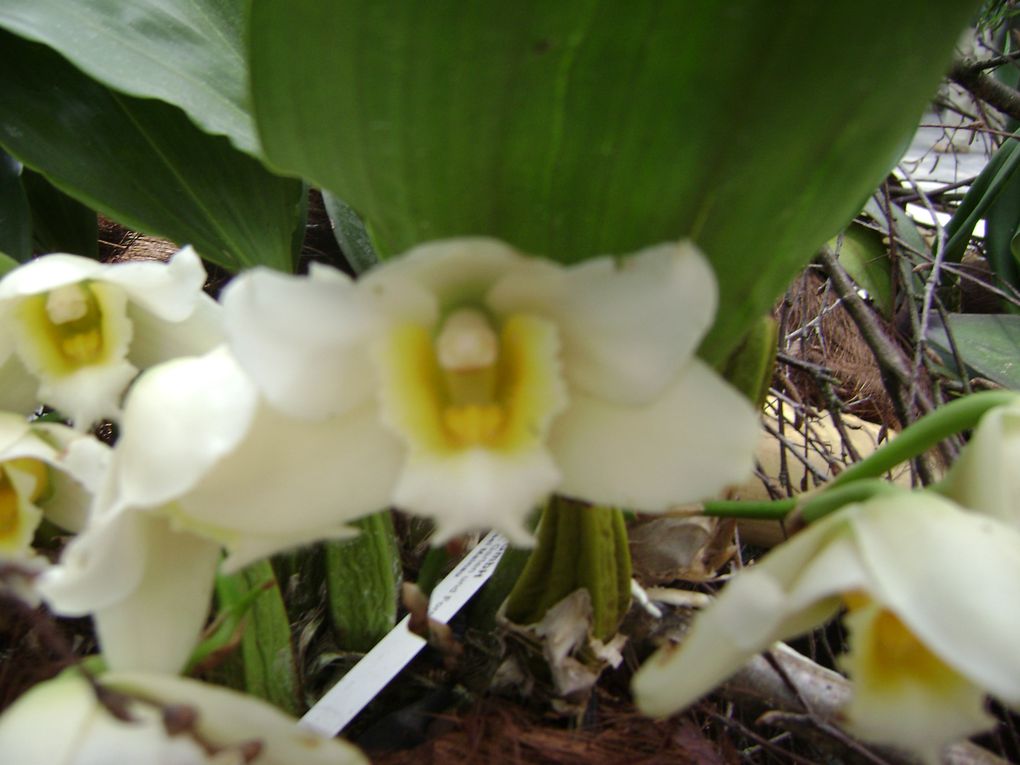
(988, 344)
(15, 219)
(142, 162)
(575, 128)
(59, 223)
(189, 53)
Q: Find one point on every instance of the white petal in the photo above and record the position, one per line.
(303, 340)
(48, 272)
(157, 624)
(156, 340)
(180, 419)
(457, 272)
(477, 489)
(757, 607)
(17, 387)
(295, 480)
(252, 547)
(227, 717)
(45, 725)
(918, 703)
(169, 290)
(97, 568)
(699, 436)
(90, 394)
(985, 477)
(627, 325)
(948, 575)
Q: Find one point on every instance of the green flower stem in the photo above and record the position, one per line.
(774, 510)
(578, 546)
(917, 438)
(816, 506)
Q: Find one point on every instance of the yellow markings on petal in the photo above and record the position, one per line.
(39, 471)
(10, 504)
(472, 386)
(72, 327)
(886, 654)
(22, 481)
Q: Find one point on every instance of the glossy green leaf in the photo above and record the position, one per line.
(995, 179)
(142, 162)
(989, 345)
(350, 232)
(189, 53)
(15, 219)
(59, 222)
(577, 128)
(866, 258)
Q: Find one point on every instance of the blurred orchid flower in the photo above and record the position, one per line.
(61, 722)
(929, 590)
(201, 464)
(83, 329)
(45, 469)
(491, 379)
(986, 475)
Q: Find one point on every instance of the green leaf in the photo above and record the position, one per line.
(997, 177)
(351, 234)
(989, 344)
(7, 263)
(142, 162)
(267, 654)
(189, 53)
(15, 219)
(576, 128)
(60, 223)
(865, 257)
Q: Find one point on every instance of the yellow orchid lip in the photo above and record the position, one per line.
(72, 326)
(18, 514)
(474, 384)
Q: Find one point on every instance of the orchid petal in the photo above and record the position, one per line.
(984, 477)
(303, 340)
(627, 325)
(477, 488)
(695, 439)
(168, 290)
(18, 387)
(947, 574)
(754, 610)
(912, 699)
(156, 625)
(157, 340)
(292, 479)
(456, 271)
(97, 568)
(180, 419)
(227, 717)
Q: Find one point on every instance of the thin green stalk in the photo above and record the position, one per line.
(916, 439)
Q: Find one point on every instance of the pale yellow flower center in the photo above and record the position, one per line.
(66, 326)
(10, 517)
(890, 653)
(473, 383)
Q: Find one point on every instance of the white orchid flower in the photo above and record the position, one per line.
(931, 590)
(986, 475)
(202, 464)
(60, 722)
(497, 378)
(45, 469)
(82, 329)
